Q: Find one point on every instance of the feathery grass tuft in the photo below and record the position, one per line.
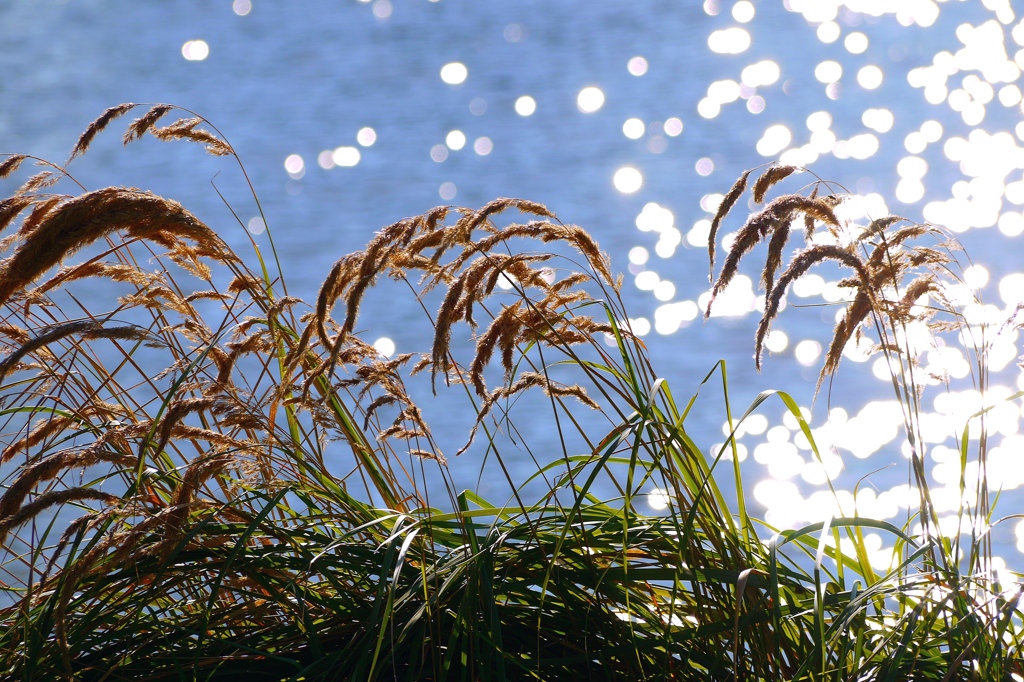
(768, 179)
(11, 164)
(97, 126)
(145, 122)
(734, 193)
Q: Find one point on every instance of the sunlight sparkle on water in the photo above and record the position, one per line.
(765, 72)
(819, 120)
(628, 180)
(366, 137)
(776, 138)
(910, 188)
(1011, 289)
(195, 50)
(454, 73)
(382, 9)
(658, 499)
(776, 341)
(736, 300)
(724, 91)
(729, 41)
(879, 120)
(637, 66)
(869, 77)
(670, 317)
(664, 290)
(455, 140)
(808, 285)
(1009, 95)
(295, 166)
(710, 202)
(698, 234)
(654, 218)
(638, 255)
(743, 11)
(526, 105)
(828, 71)
(807, 352)
(985, 51)
(823, 141)
(256, 225)
(483, 146)
(856, 43)
(860, 146)
(912, 167)
(640, 326)
(1011, 224)
(633, 128)
(708, 108)
(922, 12)
(345, 157)
(647, 280)
(828, 32)
(755, 424)
(384, 346)
(988, 159)
(514, 33)
(590, 99)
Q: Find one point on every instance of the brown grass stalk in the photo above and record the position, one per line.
(88, 329)
(11, 164)
(140, 125)
(769, 178)
(186, 129)
(11, 207)
(802, 262)
(50, 468)
(80, 221)
(723, 210)
(97, 126)
(27, 512)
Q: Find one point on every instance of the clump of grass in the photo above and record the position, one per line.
(901, 291)
(208, 478)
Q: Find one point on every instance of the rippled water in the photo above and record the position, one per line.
(631, 119)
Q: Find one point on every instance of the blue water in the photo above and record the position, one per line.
(299, 79)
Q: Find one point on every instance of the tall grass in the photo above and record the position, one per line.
(208, 478)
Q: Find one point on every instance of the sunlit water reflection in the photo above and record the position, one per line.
(632, 122)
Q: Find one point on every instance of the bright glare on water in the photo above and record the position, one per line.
(632, 121)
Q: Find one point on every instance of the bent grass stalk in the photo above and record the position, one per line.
(251, 484)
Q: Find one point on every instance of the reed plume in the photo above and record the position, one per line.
(187, 129)
(728, 202)
(883, 261)
(768, 179)
(140, 125)
(97, 127)
(773, 218)
(11, 164)
(80, 221)
(11, 207)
